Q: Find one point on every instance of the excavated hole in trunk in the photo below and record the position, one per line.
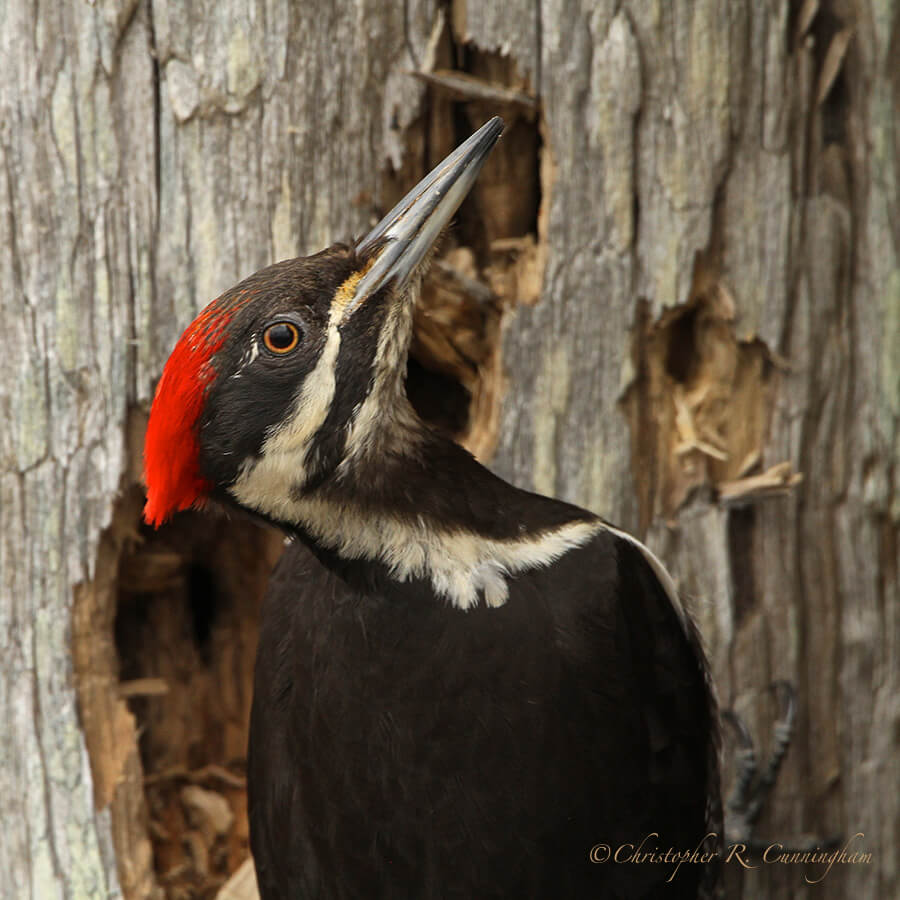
(491, 258)
(164, 642)
(700, 406)
(187, 621)
(165, 635)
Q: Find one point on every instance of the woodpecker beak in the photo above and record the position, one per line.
(405, 235)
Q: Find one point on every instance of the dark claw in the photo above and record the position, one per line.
(751, 789)
(784, 732)
(745, 763)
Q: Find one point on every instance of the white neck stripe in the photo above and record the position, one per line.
(461, 565)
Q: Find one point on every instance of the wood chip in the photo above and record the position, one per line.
(462, 86)
(512, 244)
(690, 439)
(476, 289)
(175, 873)
(198, 849)
(143, 687)
(220, 773)
(517, 270)
(158, 831)
(241, 885)
(834, 60)
(211, 772)
(779, 479)
(751, 461)
(207, 810)
(151, 569)
(806, 17)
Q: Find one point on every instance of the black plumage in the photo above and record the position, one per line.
(404, 748)
(462, 687)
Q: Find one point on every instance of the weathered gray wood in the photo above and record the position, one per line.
(697, 127)
(737, 154)
(78, 220)
(119, 221)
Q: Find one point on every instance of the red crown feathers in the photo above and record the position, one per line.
(171, 448)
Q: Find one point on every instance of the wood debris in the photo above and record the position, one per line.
(701, 401)
(186, 620)
(153, 569)
(143, 687)
(690, 439)
(834, 61)
(242, 884)
(200, 836)
(206, 773)
(807, 14)
(777, 480)
(457, 335)
(208, 811)
(516, 272)
(462, 86)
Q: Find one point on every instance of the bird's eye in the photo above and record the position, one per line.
(281, 338)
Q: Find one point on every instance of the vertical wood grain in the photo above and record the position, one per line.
(152, 153)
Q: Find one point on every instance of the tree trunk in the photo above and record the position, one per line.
(675, 299)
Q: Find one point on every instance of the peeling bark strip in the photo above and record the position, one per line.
(152, 155)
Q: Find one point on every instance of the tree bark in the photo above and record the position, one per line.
(718, 255)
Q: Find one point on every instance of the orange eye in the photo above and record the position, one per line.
(281, 338)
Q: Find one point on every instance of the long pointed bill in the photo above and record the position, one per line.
(407, 232)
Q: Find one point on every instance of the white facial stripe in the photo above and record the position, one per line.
(384, 421)
(460, 565)
(265, 483)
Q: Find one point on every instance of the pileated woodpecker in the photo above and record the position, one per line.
(465, 690)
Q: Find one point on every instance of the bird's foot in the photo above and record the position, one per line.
(753, 787)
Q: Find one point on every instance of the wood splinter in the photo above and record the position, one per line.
(206, 773)
(462, 86)
(779, 479)
(143, 687)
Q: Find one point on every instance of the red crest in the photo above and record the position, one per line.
(171, 446)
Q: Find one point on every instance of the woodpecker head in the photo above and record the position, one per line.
(295, 376)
